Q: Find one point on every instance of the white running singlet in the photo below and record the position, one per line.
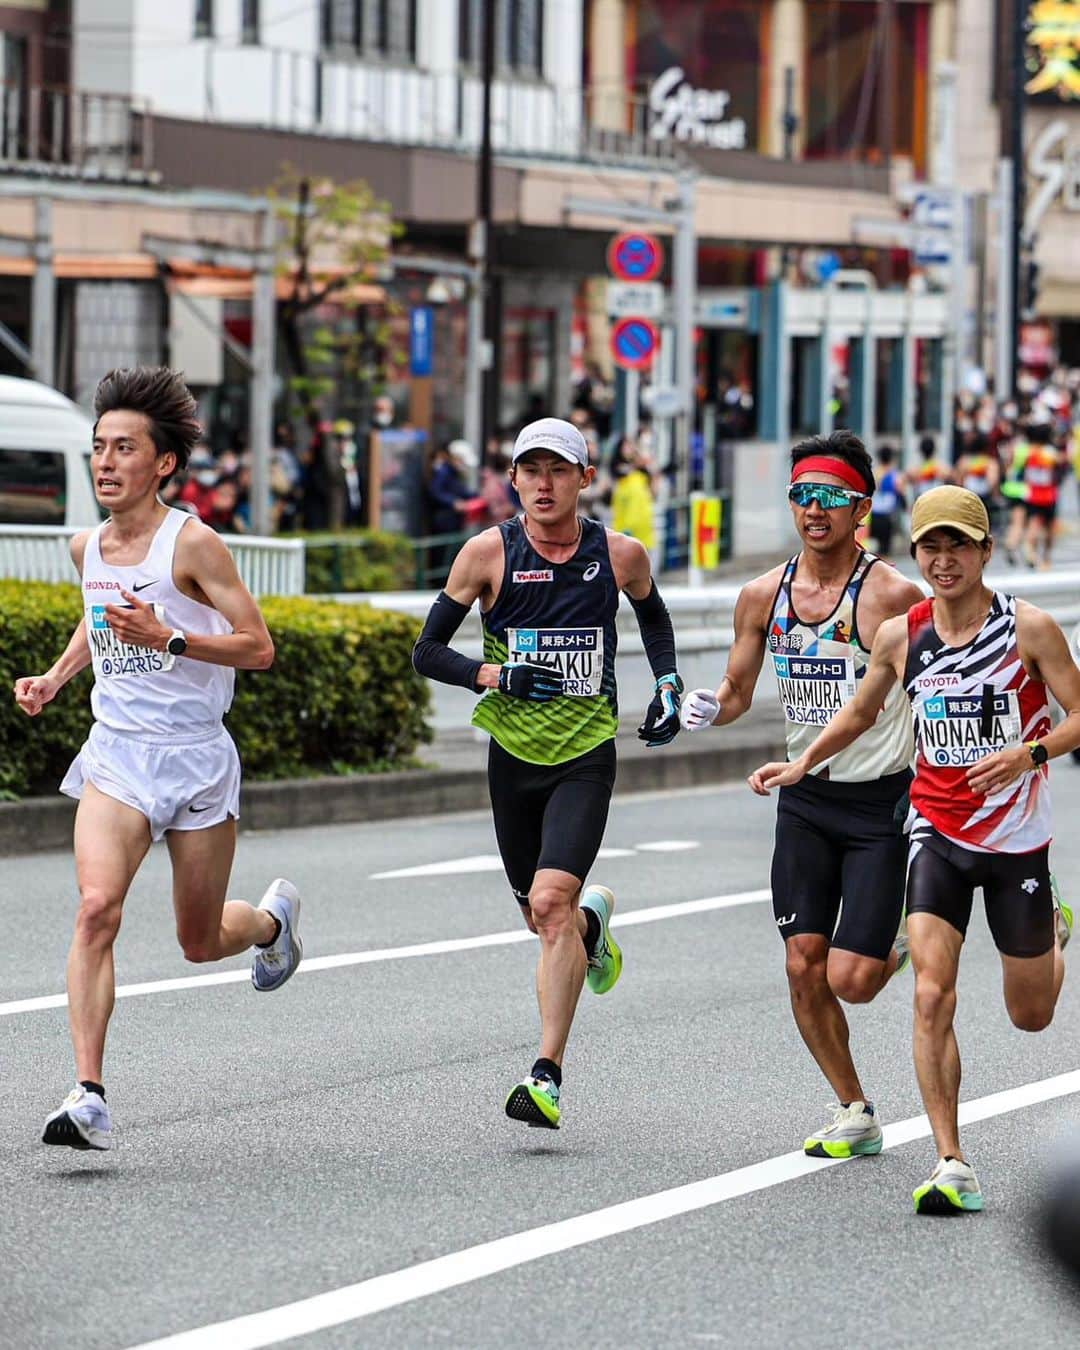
(817, 667)
(137, 690)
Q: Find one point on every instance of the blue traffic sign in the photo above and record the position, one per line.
(634, 343)
(635, 257)
(421, 340)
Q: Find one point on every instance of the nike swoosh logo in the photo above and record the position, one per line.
(195, 810)
(144, 585)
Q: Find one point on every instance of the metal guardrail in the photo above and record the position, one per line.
(76, 130)
(40, 553)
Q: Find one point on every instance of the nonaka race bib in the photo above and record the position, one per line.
(113, 658)
(814, 688)
(577, 654)
(953, 732)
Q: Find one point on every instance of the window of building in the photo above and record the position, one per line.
(204, 18)
(249, 21)
(720, 49)
(519, 34)
(32, 487)
(866, 80)
(385, 28)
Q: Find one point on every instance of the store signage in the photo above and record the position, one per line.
(421, 341)
(1053, 50)
(1056, 164)
(698, 116)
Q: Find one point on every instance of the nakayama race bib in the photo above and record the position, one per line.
(814, 688)
(577, 654)
(951, 728)
(112, 657)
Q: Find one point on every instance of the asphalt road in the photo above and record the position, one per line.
(279, 1148)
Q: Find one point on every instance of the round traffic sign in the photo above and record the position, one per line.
(635, 257)
(634, 343)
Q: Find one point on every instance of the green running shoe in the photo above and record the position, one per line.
(1063, 915)
(536, 1102)
(952, 1188)
(605, 961)
(853, 1130)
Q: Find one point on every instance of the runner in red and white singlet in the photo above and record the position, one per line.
(977, 666)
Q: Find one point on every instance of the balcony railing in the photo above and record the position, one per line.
(74, 133)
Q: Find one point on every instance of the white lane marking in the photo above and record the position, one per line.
(354, 1301)
(478, 862)
(652, 914)
(669, 846)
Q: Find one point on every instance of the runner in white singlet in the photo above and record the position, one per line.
(166, 622)
(838, 862)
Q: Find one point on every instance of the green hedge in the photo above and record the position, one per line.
(358, 560)
(341, 696)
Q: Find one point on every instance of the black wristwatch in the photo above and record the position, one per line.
(1038, 753)
(177, 643)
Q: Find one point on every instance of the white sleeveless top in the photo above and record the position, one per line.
(817, 668)
(139, 691)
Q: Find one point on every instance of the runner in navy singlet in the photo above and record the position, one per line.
(976, 666)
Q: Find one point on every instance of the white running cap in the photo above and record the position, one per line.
(552, 433)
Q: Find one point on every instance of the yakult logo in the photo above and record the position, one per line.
(696, 115)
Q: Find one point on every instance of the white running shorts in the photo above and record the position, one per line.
(176, 785)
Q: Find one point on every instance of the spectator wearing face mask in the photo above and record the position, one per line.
(201, 482)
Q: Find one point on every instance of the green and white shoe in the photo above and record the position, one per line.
(1063, 915)
(952, 1188)
(536, 1102)
(853, 1130)
(605, 961)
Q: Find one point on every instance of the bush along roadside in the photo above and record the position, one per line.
(358, 560)
(341, 696)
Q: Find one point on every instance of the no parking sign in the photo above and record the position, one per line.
(635, 257)
(634, 343)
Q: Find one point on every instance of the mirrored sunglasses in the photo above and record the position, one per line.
(829, 498)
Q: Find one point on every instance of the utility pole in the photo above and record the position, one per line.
(1017, 80)
(478, 393)
(43, 298)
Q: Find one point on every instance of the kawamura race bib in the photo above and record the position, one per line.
(577, 654)
(952, 731)
(814, 688)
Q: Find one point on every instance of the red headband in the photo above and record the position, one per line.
(839, 468)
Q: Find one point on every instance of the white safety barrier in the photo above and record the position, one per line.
(40, 553)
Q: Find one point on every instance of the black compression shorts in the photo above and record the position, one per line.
(549, 815)
(841, 842)
(942, 877)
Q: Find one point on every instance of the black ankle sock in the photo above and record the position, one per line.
(93, 1087)
(277, 933)
(547, 1068)
(592, 930)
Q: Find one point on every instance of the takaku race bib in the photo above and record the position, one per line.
(954, 733)
(814, 688)
(577, 654)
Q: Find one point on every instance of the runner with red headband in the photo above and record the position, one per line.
(838, 862)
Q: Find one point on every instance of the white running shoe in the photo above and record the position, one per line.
(952, 1188)
(854, 1129)
(272, 966)
(81, 1121)
(902, 946)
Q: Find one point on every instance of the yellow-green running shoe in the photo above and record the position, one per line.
(952, 1188)
(902, 946)
(605, 961)
(1063, 915)
(536, 1102)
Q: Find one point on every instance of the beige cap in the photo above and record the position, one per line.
(950, 508)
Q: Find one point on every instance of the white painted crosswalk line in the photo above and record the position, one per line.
(399, 1287)
(478, 862)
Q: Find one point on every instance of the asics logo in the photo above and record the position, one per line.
(784, 919)
(1031, 885)
(590, 571)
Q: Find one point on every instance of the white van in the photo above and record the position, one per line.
(44, 457)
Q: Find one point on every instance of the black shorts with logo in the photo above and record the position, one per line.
(942, 877)
(549, 815)
(838, 862)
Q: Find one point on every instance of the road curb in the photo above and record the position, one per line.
(42, 823)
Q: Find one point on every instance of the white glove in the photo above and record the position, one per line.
(700, 708)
